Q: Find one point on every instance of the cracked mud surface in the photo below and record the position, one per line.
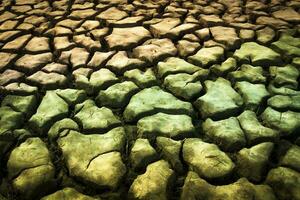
(150, 99)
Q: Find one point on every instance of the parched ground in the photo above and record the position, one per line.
(150, 99)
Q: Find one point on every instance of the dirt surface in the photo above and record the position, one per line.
(150, 99)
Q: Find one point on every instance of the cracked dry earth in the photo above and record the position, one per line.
(150, 99)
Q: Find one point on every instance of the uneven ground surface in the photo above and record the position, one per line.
(153, 100)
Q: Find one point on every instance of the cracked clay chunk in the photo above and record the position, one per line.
(270, 21)
(206, 159)
(153, 100)
(227, 66)
(99, 58)
(38, 44)
(9, 120)
(287, 45)
(94, 119)
(24, 104)
(253, 53)
(30, 168)
(265, 35)
(220, 100)
(227, 133)
(254, 131)
(48, 80)
(252, 162)
(286, 76)
(82, 14)
(142, 154)
(281, 102)
(287, 14)
(291, 158)
(68, 194)
(112, 13)
(30, 63)
(87, 42)
(141, 78)
(154, 184)
(130, 37)
(282, 91)
(154, 50)
(211, 20)
(45, 117)
(162, 28)
(171, 28)
(285, 182)
(248, 73)
(207, 56)
(171, 126)
(175, 65)
(252, 94)
(20, 89)
(118, 95)
(95, 159)
(120, 62)
(58, 127)
(72, 96)
(5, 59)
(197, 188)
(225, 35)
(286, 122)
(102, 79)
(127, 22)
(170, 151)
(184, 85)
(9, 76)
(186, 48)
(17, 43)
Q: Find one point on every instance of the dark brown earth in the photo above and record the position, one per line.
(150, 99)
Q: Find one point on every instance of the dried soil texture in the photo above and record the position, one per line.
(150, 99)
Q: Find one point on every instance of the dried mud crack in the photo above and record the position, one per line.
(150, 99)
